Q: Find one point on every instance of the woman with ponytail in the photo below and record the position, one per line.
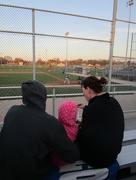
(101, 133)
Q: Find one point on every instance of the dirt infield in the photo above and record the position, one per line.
(62, 83)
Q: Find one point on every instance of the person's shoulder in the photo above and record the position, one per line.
(115, 102)
(14, 107)
(113, 99)
(52, 119)
(49, 116)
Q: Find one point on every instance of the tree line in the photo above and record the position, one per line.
(56, 61)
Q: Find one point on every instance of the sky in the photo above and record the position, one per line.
(81, 7)
(92, 8)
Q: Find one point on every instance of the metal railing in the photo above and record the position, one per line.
(54, 99)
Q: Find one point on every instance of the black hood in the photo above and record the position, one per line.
(34, 94)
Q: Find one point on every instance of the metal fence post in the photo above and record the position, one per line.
(33, 45)
(53, 105)
(112, 41)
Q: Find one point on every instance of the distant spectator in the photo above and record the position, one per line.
(49, 69)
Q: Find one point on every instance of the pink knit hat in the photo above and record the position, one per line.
(67, 116)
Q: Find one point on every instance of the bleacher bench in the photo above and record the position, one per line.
(129, 137)
(79, 170)
(127, 156)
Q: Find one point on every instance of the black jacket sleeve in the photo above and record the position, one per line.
(68, 151)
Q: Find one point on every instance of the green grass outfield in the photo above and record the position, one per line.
(16, 75)
(10, 76)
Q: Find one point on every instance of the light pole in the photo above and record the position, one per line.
(66, 34)
(131, 46)
(129, 3)
(1, 58)
(46, 50)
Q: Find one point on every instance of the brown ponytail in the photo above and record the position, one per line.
(94, 83)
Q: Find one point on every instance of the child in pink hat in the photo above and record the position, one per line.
(67, 116)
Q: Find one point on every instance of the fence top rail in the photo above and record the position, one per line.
(122, 92)
(51, 86)
(56, 12)
(72, 94)
(126, 21)
(101, 19)
(13, 87)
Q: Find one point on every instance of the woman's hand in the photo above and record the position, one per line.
(81, 106)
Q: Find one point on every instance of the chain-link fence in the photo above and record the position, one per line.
(44, 45)
(57, 94)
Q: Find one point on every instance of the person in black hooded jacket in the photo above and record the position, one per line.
(101, 133)
(27, 136)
